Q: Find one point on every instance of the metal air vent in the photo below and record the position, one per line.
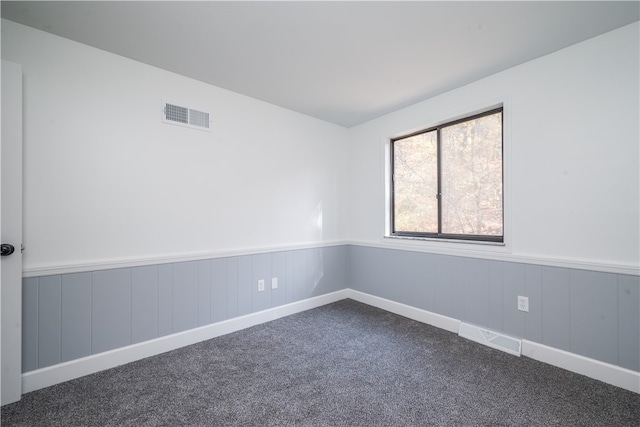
(185, 116)
(490, 338)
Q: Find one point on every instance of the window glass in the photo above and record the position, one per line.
(472, 177)
(447, 181)
(415, 183)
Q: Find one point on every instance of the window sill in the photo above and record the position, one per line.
(436, 239)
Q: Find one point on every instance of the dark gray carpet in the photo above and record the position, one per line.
(344, 364)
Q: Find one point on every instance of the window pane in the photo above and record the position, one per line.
(472, 177)
(415, 164)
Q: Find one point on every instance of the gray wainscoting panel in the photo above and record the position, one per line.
(279, 270)
(443, 298)
(389, 285)
(556, 298)
(290, 287)
(165, 299)
(185, 296)
(513, 285)
(315, 266)
(245, 285)
(232, 287)
(144, 303)
(533, 286)
(496, 295)
(357, 269)
(49, 321)
(419, 291)
(261, 271)
(589, 313)
(377, 279)
(377, 265)
(457, 286)
(371, 265)
(476, 292)
(219, 284)
(334, 270)
(76, 316)
(110, 309)
(30, 324)
(629, 321)
(204, 292)
(70, 316)
(404, 275)
(301, 275)
(594, 315)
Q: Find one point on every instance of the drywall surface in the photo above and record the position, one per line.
(571, 156)
(105, 179)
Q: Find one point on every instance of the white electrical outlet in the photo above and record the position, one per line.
(260, 285)
(274, 283)
(523, 303)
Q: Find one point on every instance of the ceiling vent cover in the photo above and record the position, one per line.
(184, 116)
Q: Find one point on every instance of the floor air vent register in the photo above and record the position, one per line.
(490, 338)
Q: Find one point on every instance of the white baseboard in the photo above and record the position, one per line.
(605, 372)
(45, 377)
(424, 316)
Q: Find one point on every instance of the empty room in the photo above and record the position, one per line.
(320, 213)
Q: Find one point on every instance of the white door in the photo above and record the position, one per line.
(11, 233)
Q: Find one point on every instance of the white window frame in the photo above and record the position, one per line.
(455, 245)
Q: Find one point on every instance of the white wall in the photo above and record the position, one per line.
(105, 179)
(571, 147)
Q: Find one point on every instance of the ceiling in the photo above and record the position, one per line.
(343, 62)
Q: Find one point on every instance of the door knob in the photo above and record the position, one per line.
(6, 249)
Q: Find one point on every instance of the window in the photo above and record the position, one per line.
(447, 181)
